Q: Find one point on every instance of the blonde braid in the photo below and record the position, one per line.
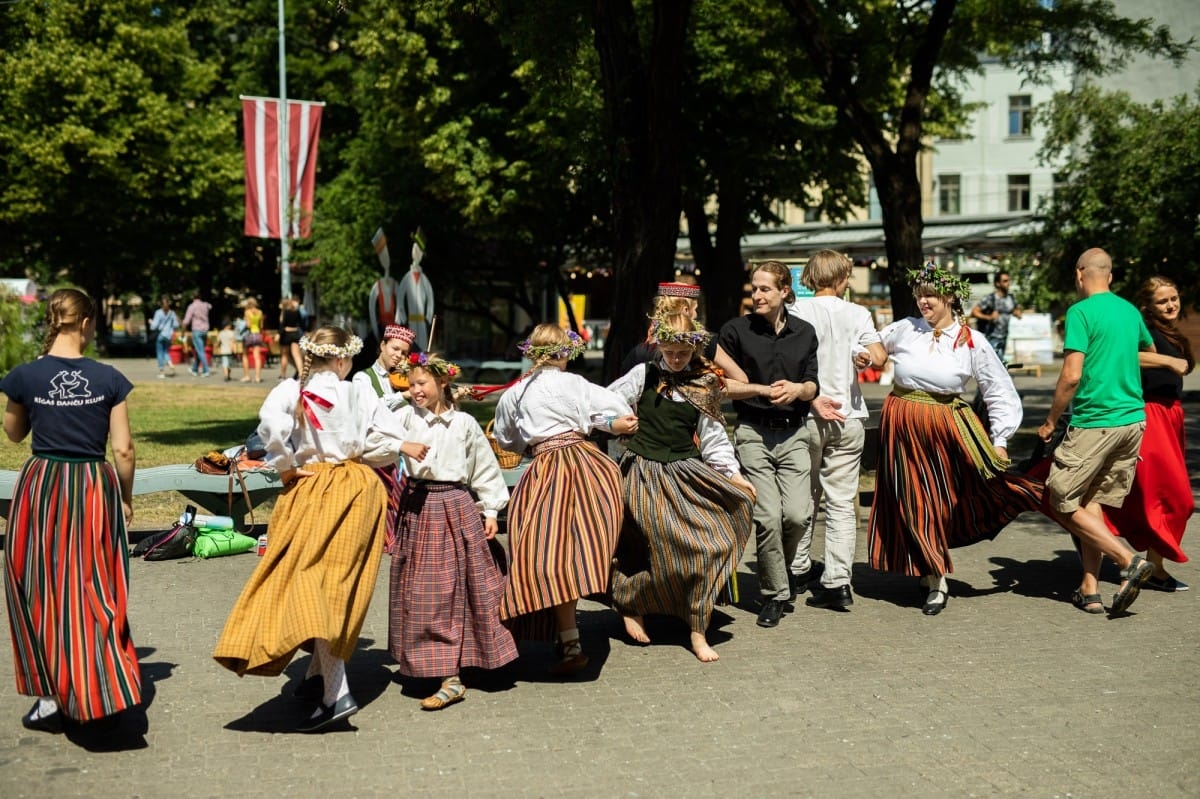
(66, 308)
(305, 371)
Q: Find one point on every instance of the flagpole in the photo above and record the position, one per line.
(285, 198)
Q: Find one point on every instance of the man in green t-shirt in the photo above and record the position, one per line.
(1095, 462)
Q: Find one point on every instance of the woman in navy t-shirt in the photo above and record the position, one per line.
(66, 573)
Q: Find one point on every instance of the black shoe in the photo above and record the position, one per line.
(798, 583)
(771, 612)
(344, 708)
(52, 724)
(312, 688)
(838, 598)
(934, 607)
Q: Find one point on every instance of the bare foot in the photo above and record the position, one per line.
(635, 630)
(704, 652)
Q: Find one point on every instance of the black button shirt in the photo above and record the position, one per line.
(766, 357)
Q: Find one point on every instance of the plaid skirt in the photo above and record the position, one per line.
(446, 586)
(683, 534)
(939, 485)
(66, 576)
(315, 581)
(563, 524)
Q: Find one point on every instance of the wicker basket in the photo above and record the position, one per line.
(508, 460)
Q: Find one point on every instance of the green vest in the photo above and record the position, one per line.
(666, 429)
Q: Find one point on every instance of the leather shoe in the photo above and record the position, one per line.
(52, 723)
(798, 583)
(313, 688)
(837, 598)
(344, 708)
(932, 604)
(772, 611)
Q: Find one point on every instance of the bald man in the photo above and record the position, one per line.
(1095, 462)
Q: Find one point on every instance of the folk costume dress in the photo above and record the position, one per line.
(940, 483)
(446, 586)
(66, 565)
(565, 514)
(1156, 511)
(685, 523)
(326, 531)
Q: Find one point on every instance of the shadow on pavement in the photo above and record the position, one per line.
(127, 730)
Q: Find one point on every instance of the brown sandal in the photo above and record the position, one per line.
(452, 691)
(570, 658)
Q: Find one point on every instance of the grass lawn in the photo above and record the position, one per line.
(173, 426)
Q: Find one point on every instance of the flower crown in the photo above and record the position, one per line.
(572, 349)
(946, 284)
(663, 333)
(352, 347)
(438, 367)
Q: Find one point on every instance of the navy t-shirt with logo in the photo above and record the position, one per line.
(68, 401)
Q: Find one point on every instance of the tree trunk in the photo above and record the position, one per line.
(903, 227)
(642, 105)
(724, 282)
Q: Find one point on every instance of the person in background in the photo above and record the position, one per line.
(835, 435)
(995, 311)
(565, 513)
(195, 319)
(226, 340)
(164, 324)
(941, 483)
(1155, 514)
(253, 347)
(291, 328)
(66, 563)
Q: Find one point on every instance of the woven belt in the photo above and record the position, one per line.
(926, 397)
(567, 439)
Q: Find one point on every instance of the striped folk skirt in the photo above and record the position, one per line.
(563, 523)
(683, 534)
(939, 485)
(393, 482)
(1156, 511)
(325, 540)
(443, 610)
(66, 576)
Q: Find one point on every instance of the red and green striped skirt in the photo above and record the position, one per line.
(66, 576)
(563, 523)
(939, 485)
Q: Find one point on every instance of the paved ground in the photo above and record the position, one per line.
(1009, 692)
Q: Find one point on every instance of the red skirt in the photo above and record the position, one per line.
(1157, 508)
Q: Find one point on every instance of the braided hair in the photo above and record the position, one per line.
(328, 334)
(65, 311)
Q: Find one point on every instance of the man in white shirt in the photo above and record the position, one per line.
(848, 341)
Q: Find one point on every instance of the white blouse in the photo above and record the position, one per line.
(458, 453)
(939, 367)
(715, 447)
(551, 401)
(343, 417)
(391, 397)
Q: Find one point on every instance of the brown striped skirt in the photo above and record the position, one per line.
(66, 575)
(683, 534)
(563, 523)
(315, 581)
(939, 485)
(444, 599)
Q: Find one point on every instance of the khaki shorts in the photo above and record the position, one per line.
(1094, 464)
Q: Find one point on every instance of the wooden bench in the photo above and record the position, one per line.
(209, 492)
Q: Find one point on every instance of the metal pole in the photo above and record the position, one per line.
(285, 197)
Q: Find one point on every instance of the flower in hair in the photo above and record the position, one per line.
(573, 348)
(439, 367)
(664, 333)
(352, 347)
(943, 282)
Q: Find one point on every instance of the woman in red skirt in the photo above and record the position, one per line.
(66, 571)
(1157, 509)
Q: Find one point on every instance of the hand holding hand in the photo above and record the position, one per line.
(862, 360)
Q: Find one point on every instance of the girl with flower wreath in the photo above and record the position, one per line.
(312, 587)
(687, 504)
(565, 514)
(445, 591)
(941, 482)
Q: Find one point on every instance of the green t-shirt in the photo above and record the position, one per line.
(1109, 332)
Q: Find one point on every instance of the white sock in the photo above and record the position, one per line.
(937, 582)
(334, 671)
(569, 635)
(46, 706)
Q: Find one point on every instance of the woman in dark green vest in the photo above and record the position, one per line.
(687, 505)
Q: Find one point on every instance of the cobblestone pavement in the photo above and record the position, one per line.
(1009, 692)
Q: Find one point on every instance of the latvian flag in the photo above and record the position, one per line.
(260, 116)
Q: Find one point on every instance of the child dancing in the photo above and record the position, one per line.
(314, 583)
(565, 514)
(445, 586)
(687, 505)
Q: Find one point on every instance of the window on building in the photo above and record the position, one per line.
(1020, 115)
(1018, 192)
(1060, 184)
(950, 194)
(874, 207)
(812, 214)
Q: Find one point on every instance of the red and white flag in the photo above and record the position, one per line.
(260, 116)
